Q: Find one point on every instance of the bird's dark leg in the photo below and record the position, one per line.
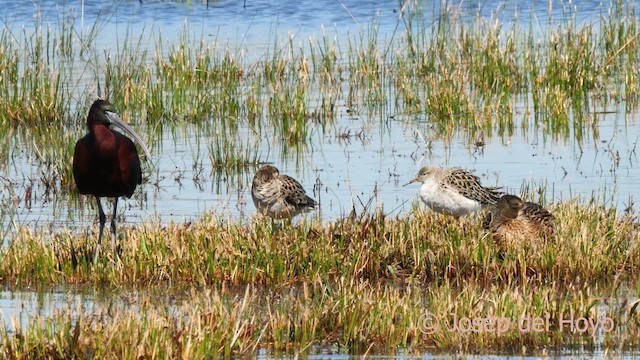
(113, 226)
(103, 220)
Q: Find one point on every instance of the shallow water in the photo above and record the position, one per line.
(19, 308)
(366, 171)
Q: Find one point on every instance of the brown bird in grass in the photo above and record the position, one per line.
(511, 220)
(279, 196)
(106, 163)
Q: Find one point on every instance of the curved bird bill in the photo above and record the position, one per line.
(116, 120)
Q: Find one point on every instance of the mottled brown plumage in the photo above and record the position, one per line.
(515, 222)
(279, 196)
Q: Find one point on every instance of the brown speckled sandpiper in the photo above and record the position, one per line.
(279, 196)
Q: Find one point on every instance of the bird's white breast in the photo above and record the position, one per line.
(445, 200)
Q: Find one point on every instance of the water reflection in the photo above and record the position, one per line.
(19, 308)
(347, 172)
(25, 309)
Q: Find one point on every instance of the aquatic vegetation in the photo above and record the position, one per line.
(468, 72)
(354, 316)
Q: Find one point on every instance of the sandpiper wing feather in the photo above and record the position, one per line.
(469, 185)
(294, 193)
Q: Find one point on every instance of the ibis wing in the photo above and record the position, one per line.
(82, 165)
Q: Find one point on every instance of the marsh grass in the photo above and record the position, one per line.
(593, 242)
(468, 73)
(348, 315)
(359, 284)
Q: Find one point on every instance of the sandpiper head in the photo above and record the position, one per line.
(509, 206)
(425, 173)
(265, 174)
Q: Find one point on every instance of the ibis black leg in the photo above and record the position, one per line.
(103, 220)
(113, 226)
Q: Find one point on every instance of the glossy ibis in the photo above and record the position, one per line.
(106, 163)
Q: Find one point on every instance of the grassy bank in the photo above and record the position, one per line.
(361, 283)
(594, 244)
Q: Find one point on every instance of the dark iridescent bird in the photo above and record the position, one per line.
(279, 196)
(512, 219)
(106, 163)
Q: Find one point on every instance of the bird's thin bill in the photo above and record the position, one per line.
(410, 182)
(115, 119)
